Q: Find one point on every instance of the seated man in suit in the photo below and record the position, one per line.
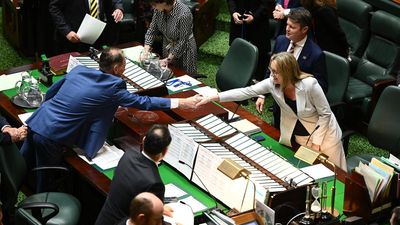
(308, 54)
(79, 109)
(68, 15)
(136, 172)
(145, 209)
(10, 134)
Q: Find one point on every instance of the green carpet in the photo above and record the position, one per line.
(8, 56)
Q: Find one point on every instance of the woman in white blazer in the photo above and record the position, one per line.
(305, 110)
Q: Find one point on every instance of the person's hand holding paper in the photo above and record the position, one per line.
(90, 29)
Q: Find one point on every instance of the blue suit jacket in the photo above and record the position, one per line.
(311, 59)
(79, 108)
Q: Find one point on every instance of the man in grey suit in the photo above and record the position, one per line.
(137, 172)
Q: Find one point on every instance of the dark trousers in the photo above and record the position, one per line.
(40, 151)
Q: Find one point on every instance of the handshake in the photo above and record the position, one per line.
(195, 101)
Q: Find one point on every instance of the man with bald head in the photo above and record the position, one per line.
(145, 209)
(79, 109)
(136, 172)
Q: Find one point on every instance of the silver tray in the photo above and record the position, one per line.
(17, 100)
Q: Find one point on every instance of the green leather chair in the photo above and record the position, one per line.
(384, 126)
(50, 208)
(338, 72)
(378, 66)
(354, 17)
(238, 66)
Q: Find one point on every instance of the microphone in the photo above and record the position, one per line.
(234, 113)
(315, 129)
(194, 172)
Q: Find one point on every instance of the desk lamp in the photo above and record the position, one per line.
(309, 156)
(233, 170)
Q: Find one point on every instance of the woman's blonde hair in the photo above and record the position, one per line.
(288, 68)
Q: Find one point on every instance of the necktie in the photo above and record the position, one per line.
(291, 50)
(285, 4)
(94, 8)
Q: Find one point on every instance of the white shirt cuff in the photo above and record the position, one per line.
(286, 12)
(174, 103)
(4, 127)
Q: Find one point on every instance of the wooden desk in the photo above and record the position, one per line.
(93, 179)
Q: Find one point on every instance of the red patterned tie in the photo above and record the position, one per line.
(291, 50)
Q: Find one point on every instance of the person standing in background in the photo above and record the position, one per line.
(174, 21)
(280, 13)
(325, 28)
(249, 20)
(68, 15)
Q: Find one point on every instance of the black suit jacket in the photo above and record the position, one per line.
(68, 14)
(5, 138)
(135, 174)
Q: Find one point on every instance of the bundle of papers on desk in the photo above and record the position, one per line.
(377, 176)
(107, 157)
(245, 126)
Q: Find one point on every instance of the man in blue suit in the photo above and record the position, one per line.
(79, 109)
(308, 54)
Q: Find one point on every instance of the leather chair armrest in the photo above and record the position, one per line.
(374, 79)
(37, 207)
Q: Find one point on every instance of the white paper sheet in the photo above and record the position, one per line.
(206, 91)
(90, 29)
(25, 116)
(173, 191)
(194, 204)
(9, 81)
(72, 63)
(182, 214)
(108, 157)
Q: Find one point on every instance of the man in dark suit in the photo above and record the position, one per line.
(309, 56)
(145, 209)
(10, 134)
(78, 110)
(136, 172)
(68, 15)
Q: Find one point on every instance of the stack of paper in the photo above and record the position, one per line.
(246, 126)
(392, 161)
(319, 172)
(181, 83)
(107, 157)
(377, 177)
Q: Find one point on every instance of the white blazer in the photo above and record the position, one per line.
(312, 109)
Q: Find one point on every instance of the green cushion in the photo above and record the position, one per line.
(357, 90)
(338, 70)
(386, 25)
(69, 207)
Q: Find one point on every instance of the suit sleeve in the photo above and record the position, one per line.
(127, 99)
(158, 190)
(117, 4)
(5, 138)
(240, 94)
(322, 107)
(54, 89)
(55, 9)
